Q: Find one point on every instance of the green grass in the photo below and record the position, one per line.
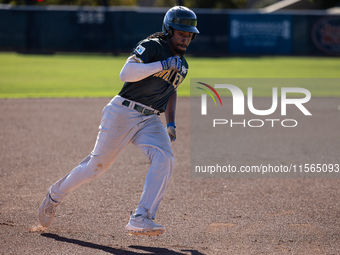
(52, 76)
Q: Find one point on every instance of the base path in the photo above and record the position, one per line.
(43, 139)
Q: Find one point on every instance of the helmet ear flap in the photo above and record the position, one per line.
(167, 30)
(170, 32)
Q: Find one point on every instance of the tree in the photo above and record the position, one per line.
(229, 4)
(326, 3)
(226, 4)
(72, 2)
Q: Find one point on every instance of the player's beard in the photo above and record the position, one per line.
(175, 48)
(179, 51)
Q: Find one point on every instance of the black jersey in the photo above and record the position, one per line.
(154, 90)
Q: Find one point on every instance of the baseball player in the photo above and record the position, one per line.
(152, 75)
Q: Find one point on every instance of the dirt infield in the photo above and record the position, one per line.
(43, 139)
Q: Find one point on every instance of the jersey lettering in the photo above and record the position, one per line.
(178, 80)
(171, 77)
(164, 74)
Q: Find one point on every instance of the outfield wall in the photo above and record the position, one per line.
(49, 29)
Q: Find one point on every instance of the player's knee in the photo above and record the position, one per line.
(171, 159)
(163, 159)
(96, 168)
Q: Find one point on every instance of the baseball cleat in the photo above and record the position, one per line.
(47, 211)
(143, 225)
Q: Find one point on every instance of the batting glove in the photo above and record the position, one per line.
(172, 63)
(171, 129)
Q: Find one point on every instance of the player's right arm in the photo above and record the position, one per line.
(141, 65)
(133, 70)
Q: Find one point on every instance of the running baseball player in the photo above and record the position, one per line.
(152, 75)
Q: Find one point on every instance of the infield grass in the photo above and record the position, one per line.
(67, 75)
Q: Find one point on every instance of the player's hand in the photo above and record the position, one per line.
(172, 63)
(171, 129)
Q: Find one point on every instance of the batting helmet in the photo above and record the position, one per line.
(180, 18)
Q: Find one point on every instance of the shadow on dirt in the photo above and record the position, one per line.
(111, 250)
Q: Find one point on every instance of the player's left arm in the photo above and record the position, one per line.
(170, 116)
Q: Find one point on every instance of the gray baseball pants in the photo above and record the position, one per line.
(120, 126)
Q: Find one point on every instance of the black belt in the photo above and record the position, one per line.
(141, 109)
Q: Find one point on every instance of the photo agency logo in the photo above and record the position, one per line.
(238, 105)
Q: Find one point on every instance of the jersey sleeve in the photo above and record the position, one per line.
(145, 51)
